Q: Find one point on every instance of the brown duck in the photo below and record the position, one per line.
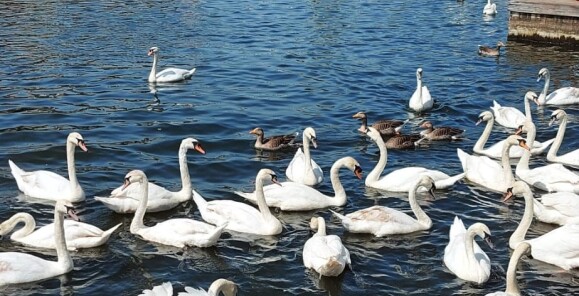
(440, 133)
(273, 143)
(387, 128)
(491, 51)
(400, 141)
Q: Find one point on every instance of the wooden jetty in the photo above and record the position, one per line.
(545, 21)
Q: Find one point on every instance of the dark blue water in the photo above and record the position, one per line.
(283, 66)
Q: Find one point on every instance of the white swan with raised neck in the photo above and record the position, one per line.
(302, 168)
(169, 74)
(570, 158)
(421, 99)
(325, 253)
(562, 96)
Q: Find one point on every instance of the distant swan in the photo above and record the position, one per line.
(48, 185)
(559, 246)
(78, 235)
(562, 96)
(382, 221)
(325, 253)
(510, 117)
(421, 99)
(490, 8)
(463, 256)
(302, 168)
(177, 232)
(159, 199)
(402, 180)
(241, 217)
(512, 286)
(16, 268)
(570, 158)
(228, 288)
(169, 74)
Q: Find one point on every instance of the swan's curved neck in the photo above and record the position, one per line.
(260, 198)
(307, 156)
(137, 222)
(480, 143)
(419, 86)
(64, 259)
(340, 194)
(506, 164)
(153, 74)
(185, 176)
(528, 114)
(374, 175)
(519, 233)
(512, 286)
(70, 147)
(469, 244)
(217, 287)
(421, 216)
(321, 226)
(10, 224)
(523, 163)
(543, 95)
(558, 139)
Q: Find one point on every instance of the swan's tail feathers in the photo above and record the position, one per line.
(108, 233)
(456, 228)
(213, 236)
(164, 289)
(190, 73)
(445, 183)
(18, 174)
(333, 267)
(546, 144)
(495, 105)
(340, 216)
(463, 157)
(402, 125)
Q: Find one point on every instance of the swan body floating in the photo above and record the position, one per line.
(512, 286)
(169, 74)
(552, 177)
(381, 221)
(302, 168)
(273, 143)
(509, 117)
(559, 246)
(16, 268)
(126, 200)
(487, 172)
(490, 8)
(228, 288)
(557, 208)
(325, 253)
(291, 196)
(421, 99)
(386, 127)
(78, 235)
(241, 217)
(562, 96)
(570, 158)
(402, 180)
(463, 256)
(440, 133)
(48, 185)
(490, 51)
(178, 232)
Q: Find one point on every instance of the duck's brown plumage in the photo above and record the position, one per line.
(402, 141)
(440, 133)
(273, 143)
(490, 51)
(386, 127)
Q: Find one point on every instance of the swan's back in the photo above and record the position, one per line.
(559, 247)
(326, 254)
(22, 268)
(296, 170)
(165, 289)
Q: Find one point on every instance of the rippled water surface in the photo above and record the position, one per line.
(283, 66)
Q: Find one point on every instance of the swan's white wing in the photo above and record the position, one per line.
(380, 221)
(563, 96)
(559, 246)
(326, 255)
(21, 268)
(550, 174)
(570, 158)
(239, 216)
(566, 203)
(290, 196)
(296, 170)
(508, 116)
(482, 170)
(193, 292)
(174, 75)
(166, 289)
(427, 98)
(401, 180)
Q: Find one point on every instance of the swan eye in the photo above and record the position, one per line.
(274, 178)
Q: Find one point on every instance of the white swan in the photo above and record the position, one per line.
(490, 8)
(381, 221)
(220, 285)
(178, 232)
(512, 286)
(241, 217)
(570, 158)
(169, 74)
(325, 253)
(402, 180)
(559, 246)
(48, 185)
(463, 256)
(562, 96)
(16, 268)
(78, 235)
(552, 177)
(293, 196)
(509, 117)
(159, 199)
(302, 168)
(557, 208)
(421, 99)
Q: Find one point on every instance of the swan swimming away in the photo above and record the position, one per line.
(402, 180)
(241, 217)
(512, 286)
(381, 221)
(421, 99)
(51, 186)
(16, 268)
(166, 75)
(325, 253)
(302, 168)
(562, 96)
(490, 8)
(559, 246)
(463, 256)
(570, 158)
(78, 235)
(509, 117)
(177, 232)
(228, 288)
(159, 199)
(291, 196)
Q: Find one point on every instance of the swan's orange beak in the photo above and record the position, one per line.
(126, 184)
(199, 149)
(274, 180)
(72, 213)
(523, 144)
(508, 195)
(358, 172)
(150, 52)
(82, 145)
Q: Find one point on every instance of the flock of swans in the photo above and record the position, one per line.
(324, 252)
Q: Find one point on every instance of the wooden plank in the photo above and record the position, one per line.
(567, 8)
